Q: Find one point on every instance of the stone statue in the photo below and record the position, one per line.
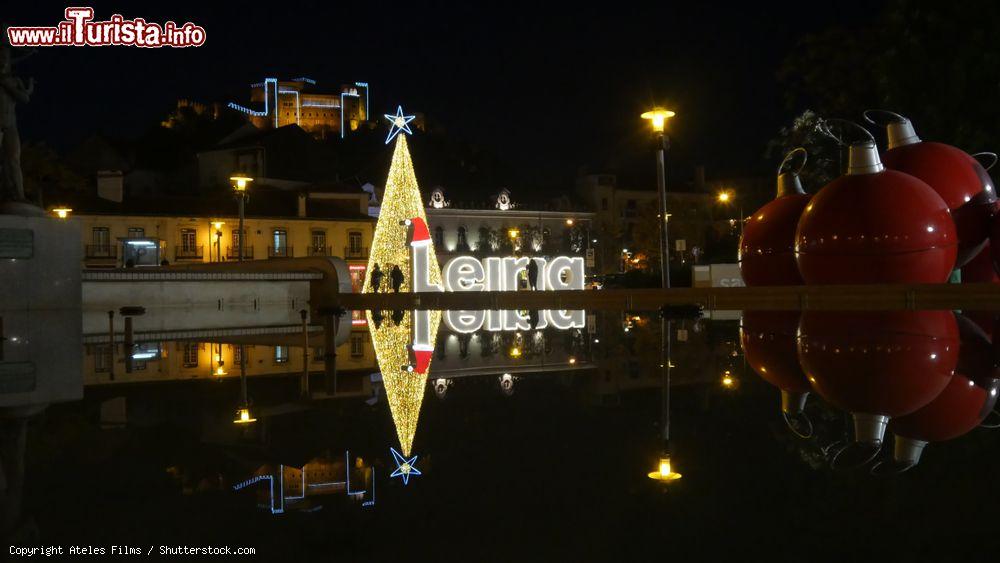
(12, 92)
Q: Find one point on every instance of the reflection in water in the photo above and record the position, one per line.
(925, 376)
(962, 405)
(769, 345)
(877, 366)
(158, 445)
(404, 351)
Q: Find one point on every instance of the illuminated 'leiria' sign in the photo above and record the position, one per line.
(468, 273)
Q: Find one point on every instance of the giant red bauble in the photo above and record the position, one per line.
(886, 227)
(886, 362)
(962, 183)
(767, 247)
(994, 245)
(980, 269)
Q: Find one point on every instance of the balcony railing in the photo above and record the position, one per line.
(318, 250)
(233, 252)
(356, 253)
(101, 251)
(280, 252)
(182, 252)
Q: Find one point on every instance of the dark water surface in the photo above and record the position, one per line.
(549, 463)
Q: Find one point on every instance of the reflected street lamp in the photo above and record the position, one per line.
(240, 185)
(243, 415)
(664, 472)
(658, 119)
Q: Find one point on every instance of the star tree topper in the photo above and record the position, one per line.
(404, 467)
(398, 122)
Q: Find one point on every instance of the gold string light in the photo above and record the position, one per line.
(404, 389)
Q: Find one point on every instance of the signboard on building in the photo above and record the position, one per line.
(717, 275)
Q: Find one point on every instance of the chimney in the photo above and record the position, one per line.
(109, 185)
(302, 205)
(699, 178)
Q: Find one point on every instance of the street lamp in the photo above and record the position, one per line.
(62, 212)
(658, 119)
(726, 197)
(218, 239)
(240, 185)
(243, 416)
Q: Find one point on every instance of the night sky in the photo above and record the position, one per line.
(550, 93)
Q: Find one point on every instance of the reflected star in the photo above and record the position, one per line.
(398, 122)
(404, 467)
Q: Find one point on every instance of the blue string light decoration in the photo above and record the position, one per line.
(399, 122)
(405, 468)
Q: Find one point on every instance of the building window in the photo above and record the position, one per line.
(189, 239)
(237, 354)
(463, 242)
(318, 354)
(281, 354)
(604, 204)
(438, 238)
(101, 238)
(236, 238)
(102, 359)
(280, 239)
(279, 243)
(354, 242)
(319, 241)
(357, 345)
(136, 232)
(190, 357)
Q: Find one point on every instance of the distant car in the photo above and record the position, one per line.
(611, 281)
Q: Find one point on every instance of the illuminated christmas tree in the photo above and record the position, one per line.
(404, 377)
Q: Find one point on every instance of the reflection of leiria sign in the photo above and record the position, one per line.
(471, 321)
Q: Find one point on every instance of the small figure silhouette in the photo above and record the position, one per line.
(532, 274)
(396, 277)
(376, 278)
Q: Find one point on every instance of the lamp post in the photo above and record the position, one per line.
(726, 197)
(218, 240)
(658, 119)
(240, 185)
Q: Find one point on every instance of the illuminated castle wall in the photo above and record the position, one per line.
(276, 103)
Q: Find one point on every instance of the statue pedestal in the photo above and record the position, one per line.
(40, 292)
(21, 208)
